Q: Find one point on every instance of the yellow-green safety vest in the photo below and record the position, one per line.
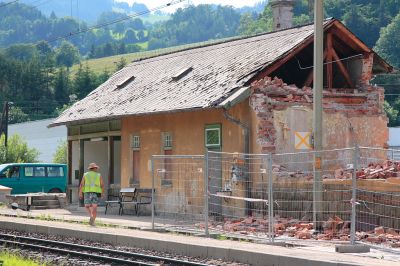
(92, 182)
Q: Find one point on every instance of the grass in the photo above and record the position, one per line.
(98, 65)
(11, 259)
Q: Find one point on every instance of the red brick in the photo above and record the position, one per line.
(379, 230)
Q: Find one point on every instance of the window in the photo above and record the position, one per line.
(213, 136)
(135, 145)
(181, 73)
(135, 142)
(35, 171)
(11, 172)
(167, 140)
(55, 171)
(125, 82)
(167, 146)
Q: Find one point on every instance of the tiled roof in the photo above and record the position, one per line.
(166, 83)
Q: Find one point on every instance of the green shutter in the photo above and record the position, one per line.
(213, 136)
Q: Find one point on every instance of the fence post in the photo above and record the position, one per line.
(206, 194)
(271, 231)
(354, 195)
(152, 192)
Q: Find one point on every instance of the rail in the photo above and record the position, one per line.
(92, 253)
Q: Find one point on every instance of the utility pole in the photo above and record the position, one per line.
(4, 122)
(317, 110)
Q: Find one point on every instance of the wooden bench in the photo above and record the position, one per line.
(141, 196)
(115, 200)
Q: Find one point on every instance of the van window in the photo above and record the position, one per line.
(11, 172)
(55, 171)
(35, 171)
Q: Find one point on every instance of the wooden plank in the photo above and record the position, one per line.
(110, 160)
(329, 66)
(69, 156)
(342, 68)
(81, 164)
(310, 77)
(281, 61)
(349, 38)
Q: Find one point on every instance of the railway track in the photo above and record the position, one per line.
(89, 253)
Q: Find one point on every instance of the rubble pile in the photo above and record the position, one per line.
(388, 237)
(385, 170)
(334, 228)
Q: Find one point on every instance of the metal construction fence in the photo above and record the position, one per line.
(347, 195)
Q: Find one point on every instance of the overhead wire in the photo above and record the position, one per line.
(105, 24)
(330, 62)
(9, 3)
(29, 5)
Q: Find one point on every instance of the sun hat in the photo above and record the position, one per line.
(93, 166)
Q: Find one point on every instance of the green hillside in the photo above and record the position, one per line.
(99, 65)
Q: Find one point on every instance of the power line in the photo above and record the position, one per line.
(9, 3)
(102, 25)
(29, 5)
(330, 62)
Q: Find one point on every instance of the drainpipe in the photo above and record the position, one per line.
(246, 130)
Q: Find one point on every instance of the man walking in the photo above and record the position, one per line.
(91, 188)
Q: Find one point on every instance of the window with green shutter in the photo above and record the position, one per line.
(213, 136)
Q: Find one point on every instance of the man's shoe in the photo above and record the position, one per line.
(91, 221)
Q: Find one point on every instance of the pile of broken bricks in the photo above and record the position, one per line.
(385, 170)
(334, 228)
(388, 237)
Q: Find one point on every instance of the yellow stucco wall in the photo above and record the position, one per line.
(339, 130)
(187, 130)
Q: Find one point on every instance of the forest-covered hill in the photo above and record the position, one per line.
(36, 63)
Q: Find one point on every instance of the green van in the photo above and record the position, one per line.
(34, 177)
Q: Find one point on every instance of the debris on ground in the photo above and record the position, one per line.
(334, 228)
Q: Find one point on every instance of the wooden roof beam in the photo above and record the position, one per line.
(329, 66)
(342, 68)
(310, 77)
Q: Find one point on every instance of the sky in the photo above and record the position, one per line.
(156, 3)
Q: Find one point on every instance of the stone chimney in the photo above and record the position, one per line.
(282, 11)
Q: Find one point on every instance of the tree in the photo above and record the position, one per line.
(141, 36)
(122, 48)
(84, 82)
(60, 155)
(17, 151)
(120, 64)
(67, 54)
(388, 45)
(24, 52)
(130, 36)
(108, 50)
(392, 114)
(62, 86)
(16, 115)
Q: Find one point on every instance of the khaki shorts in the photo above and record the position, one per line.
(90, 198)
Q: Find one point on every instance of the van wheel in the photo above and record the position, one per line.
(55, 190)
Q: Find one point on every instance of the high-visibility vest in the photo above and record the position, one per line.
(92, 182)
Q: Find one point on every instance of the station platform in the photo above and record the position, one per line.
(129, 230)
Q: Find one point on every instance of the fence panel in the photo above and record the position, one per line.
(282, 197)
(238, 195)
(312, 202)
(178, 182)
(378, 197)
